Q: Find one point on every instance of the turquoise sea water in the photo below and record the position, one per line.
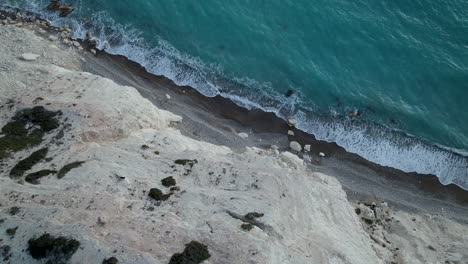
(404, 64)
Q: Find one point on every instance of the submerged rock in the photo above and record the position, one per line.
(54, 5)
(65, 10)
(194, 253)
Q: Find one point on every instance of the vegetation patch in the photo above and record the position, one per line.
(194, 253)
(253, 216)
(33, 178)
(168, 182)
(27, 163)
(144, 147)
(246, 226)
(184, 162)
(67, 168)
(358, 211)
(111, 260)
(27, 129)
(158, 195)
(57, 250)
(5, 252)
(11, 232)
(14, 210)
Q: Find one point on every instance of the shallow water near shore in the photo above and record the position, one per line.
(404, 65)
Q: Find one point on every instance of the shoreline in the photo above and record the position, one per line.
(265, 125)
(268, 123)
(123, 133)
(383, 145)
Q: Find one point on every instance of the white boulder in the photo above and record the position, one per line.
(295, 146)
(29, 56)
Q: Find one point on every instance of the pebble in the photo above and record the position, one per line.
(290, 132)
(76, 44)
(168, 97)
(307, 148)
(93, 51)
(243, 135)
(295, 146)
(53, 38)
(291, 123)
(321, 154)
(29, 56)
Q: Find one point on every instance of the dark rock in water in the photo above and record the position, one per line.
(194, 253)
(27, 129)
(158, 195)
(67, 168)
(65, 10)
(57, 250)
(33, 178)
(111, 260)
(168, 182)
(54, 5)
(289, 93)
(27, 163)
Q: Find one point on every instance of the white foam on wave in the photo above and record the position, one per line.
(390, 148)
(373, 142)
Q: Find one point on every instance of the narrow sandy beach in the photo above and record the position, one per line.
(219, 121)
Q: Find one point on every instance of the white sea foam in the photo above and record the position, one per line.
(374, 142)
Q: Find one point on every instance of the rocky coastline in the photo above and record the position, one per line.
(92, 171)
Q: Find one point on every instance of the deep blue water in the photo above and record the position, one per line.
(403, 64)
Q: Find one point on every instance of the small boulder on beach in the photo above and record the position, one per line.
(243, 135)
(291, 123)
(295, 146)
(29, 56)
